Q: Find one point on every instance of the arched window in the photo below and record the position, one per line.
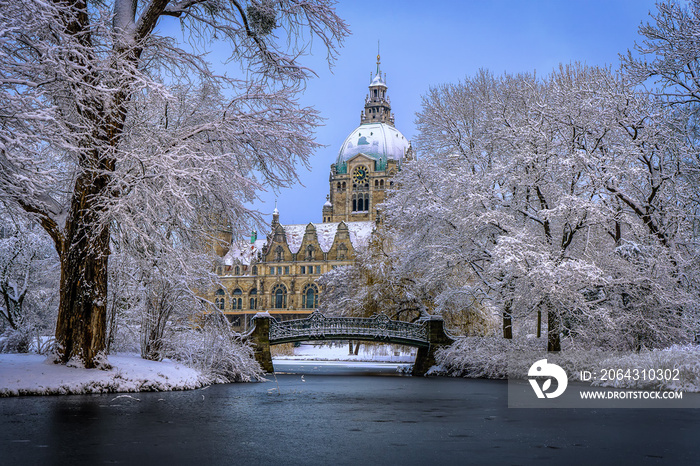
(237, 300)
(381, 184)
(253, 298)
(360, 202)
(310, 297)
(310, 253)
(237, 270)
(255, 270)
(220, 299)
(279, 254)
(344, 185)
(279, 296)
(339, 186)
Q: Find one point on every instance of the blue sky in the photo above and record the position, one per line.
(424, 44)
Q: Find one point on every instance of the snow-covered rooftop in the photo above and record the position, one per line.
(243, 252)
(378, 81)
(378, 141)
(325, 233)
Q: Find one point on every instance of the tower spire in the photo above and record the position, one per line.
(377, 106)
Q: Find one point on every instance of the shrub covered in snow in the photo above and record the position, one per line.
(685, 358)
(15, 341)
(215, 350)
(487, 357)
(496, 358)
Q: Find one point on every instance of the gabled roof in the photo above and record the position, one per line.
(243, 252)
(360, 233)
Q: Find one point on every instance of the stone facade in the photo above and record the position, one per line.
(278, 274)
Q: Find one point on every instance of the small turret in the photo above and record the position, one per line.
(327, 210)
(377, 106)
(275, 217)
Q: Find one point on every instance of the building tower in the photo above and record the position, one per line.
(367, 161)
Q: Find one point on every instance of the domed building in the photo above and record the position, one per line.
(278, 274)
(368, 158)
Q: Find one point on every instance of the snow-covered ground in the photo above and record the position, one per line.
(373, 353)
(32, 374)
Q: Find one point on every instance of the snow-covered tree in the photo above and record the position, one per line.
(668, 56)
(113, 119)
(537, 189)
(28, 281)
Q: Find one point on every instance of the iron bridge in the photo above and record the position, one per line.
(375, 328)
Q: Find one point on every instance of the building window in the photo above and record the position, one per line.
(279, 296)
(310, 297)
(279, 270)
(318, 270)
(279, 254)
(220, 300)
(237, 299)
(360, 202)
(237, 270)
(272, 270)
(381, 184)
(286, 270)
(255, 270)
(253, 298)
(303, 269)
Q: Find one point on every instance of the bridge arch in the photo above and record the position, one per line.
(427, 334)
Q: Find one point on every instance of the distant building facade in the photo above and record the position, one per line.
(278, 274)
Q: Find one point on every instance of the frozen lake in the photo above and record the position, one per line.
(336, 419)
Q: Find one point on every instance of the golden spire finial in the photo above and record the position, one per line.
(378, 58)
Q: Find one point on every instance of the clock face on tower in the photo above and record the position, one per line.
(359, 174)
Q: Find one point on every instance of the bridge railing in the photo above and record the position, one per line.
(318, 326)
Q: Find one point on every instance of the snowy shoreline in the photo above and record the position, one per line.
(32, 374)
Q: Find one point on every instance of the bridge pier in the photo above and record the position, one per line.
(259, 336)
(425, 357)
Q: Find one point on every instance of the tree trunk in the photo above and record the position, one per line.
(357, 347)
(82, 312)
(553, 338)
(507, 321)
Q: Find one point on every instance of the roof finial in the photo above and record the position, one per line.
(378, 58)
